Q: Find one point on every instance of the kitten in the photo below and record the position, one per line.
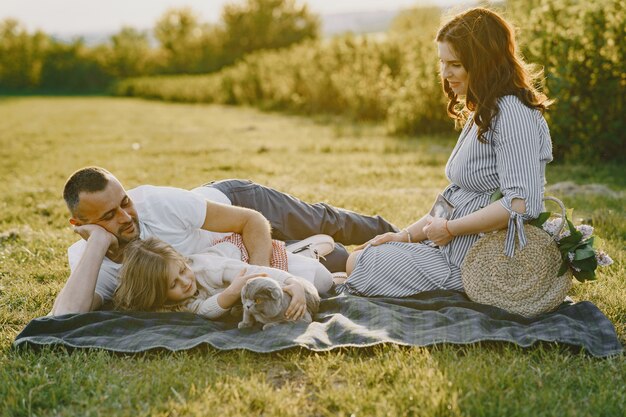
(264, 301)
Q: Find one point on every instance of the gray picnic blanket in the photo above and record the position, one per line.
(426, 319)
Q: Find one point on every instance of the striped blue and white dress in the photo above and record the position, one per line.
(513, 160)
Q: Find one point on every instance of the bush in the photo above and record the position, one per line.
(391, 78)
(394, 78)
(21, 56)
(73, 68)
(581, 45)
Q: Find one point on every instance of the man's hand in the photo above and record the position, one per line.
(297, 307)
(78, 294)
(86, 231)
(250, 224)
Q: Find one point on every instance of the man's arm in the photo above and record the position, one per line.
(78, 295)
(251, 225)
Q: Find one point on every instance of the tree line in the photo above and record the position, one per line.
(267, 53)
(394, 79)
(34, 62)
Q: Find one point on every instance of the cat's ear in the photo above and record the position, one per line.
(276, 293)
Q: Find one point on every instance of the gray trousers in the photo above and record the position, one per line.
(293, 219)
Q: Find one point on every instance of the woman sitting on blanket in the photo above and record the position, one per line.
(155, 277)
(503, 148)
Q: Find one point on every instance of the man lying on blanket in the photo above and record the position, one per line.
(108, 218)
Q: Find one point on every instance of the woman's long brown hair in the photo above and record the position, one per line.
(485, 45)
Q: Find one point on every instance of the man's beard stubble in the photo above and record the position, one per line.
(125, 240)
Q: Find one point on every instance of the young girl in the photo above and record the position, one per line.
(504, 147)
(155, 276)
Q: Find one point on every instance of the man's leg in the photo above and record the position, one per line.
(294, 219)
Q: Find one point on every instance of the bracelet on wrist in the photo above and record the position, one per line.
(448, 230)
(408, 235)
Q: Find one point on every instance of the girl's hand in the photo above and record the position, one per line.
(297, 307)
(232, 294)
(384, 238)
(436, 230)
(240, 280)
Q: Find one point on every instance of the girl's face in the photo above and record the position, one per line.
(181, 282)
(452, 70)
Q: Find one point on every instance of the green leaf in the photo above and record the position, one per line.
(573, 232)
(569, 240)
(587, 264)
(563, 269)
(541, 219)
(496, 196)
(567, 245)
(584, 252)
(583, 276)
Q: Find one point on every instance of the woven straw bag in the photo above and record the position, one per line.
(527, 283)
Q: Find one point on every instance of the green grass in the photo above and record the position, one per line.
(42, 140)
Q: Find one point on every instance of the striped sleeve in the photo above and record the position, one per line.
(517, 144)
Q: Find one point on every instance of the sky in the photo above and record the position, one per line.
(88, 16)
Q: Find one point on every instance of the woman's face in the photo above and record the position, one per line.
(181, 282)
(452, 70)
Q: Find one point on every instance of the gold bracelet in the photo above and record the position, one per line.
(448, 230)
(408, 235)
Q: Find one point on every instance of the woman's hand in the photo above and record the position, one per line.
(297, 307)
(400, 236)
(437, 231)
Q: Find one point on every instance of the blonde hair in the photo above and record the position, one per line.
(143, 281)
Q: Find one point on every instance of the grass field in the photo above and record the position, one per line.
(42, 140)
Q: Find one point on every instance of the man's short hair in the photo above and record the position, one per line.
(89, 179)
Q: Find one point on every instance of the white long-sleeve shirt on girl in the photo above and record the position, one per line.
(215, 270)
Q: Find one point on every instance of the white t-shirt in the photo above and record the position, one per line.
(212, 194)
(171, 214)
(176, 216)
